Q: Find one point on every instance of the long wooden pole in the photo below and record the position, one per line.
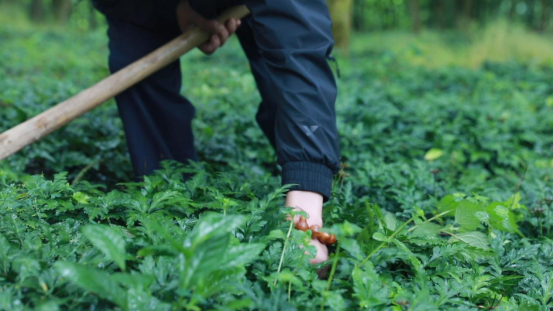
(26, 133)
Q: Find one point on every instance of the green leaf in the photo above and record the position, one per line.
(476, 239)
(433, 154)
(223, 280)
(335, 301)
(166, 198)
(93, 280)
(136, 281)
(415, 262)
(212, 224)
(277, 234)
(239, 304)
(380, 237)
(286, 276)
(241, 255)
(50, 305)
(391, 221)
(206, 258)
(140, 300)
(426, 229)
(108, 240)
(352, 247)
(81, 198)
(448, 203)
(502, 217)
(369, 288)
(466, 215)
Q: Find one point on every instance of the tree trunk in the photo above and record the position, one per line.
(341, 12)
(62, 10)
(415, 15)
(37, 11)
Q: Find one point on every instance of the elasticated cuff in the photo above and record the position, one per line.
(308, 176)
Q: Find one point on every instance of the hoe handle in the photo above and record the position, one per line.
(26, 133)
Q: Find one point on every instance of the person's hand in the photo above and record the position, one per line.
(312, 204)
(188, 18)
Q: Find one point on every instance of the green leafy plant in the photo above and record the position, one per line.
(444, 200)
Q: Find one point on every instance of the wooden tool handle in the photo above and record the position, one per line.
(45, 123)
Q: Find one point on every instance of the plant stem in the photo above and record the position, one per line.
(331, 277)
(84, 171)
(429, 220)
(284, 248)
(294, 273)
(334, 265)
(381, 245)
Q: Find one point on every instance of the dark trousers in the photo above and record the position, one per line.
(156, 117)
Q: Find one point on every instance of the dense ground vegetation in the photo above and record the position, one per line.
(444, 202)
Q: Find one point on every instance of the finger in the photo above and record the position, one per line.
(206, 48)
(322, 252)
(211, 46)
(215, 42)
(209, 25)
(223, 36)
(232, 25)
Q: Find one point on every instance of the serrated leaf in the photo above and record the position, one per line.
(81, 198)
(426, 229)
(391, 221)
(502, 218)
(140, 300)
(93, 280)
(476, 239)
(448, 204)
(136, 281)
(352, 247)
(51, 305)
(206, 258)
(380, 237)
(415, 262)
(277, 234)
(212, 224)
(108, 240)
(369, 288)
(241, 255)
(465, 215)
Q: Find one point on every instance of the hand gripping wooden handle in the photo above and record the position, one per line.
(45, 123)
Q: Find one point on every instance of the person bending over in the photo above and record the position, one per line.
(287, 43)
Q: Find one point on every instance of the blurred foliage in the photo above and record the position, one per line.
(448, 14)
(366, 15)
(499, 41)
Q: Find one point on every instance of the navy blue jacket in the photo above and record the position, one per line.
(294, 38)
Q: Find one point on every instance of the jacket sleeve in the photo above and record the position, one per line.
(147, 13)
(295, 39)
(212, 8)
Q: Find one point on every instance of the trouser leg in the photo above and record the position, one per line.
(267, 111)
(156, 117)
